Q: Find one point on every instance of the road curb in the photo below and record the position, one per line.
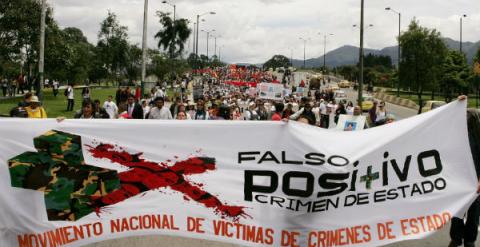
(396, 100)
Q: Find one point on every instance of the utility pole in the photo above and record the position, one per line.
(196, 43)
(461, 32)
(360, 88)
(325, 51)
(41, 60)
(399, 48)
(144, 46)
(304, 51)
(194, 39)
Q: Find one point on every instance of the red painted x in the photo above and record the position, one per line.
(145, 175)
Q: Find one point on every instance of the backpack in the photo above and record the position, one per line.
(65, 92)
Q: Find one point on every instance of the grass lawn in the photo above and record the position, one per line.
(426, 97)
(56, 107)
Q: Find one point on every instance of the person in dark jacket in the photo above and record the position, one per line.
(466, 231)
(135, 110)
(99, 110)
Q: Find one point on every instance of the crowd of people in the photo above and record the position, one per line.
(218, 101)
(12, 87)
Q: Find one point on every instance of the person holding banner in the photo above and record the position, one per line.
(306, 113)
(461, 231)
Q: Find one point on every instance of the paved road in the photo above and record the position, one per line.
(400, 112)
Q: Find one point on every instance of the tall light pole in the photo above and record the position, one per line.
(41, 60)
(194, 27)
(461, 32)
(198, 28)
(360, 89)
(304, 50)
(195, 36)
(325, 50)
(208, 38)
(216, 44)
(220, 53)
(144, 46)
(399, 49)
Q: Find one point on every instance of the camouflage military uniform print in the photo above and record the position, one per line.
(59, 171)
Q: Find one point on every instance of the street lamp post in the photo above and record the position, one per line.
(220, 52)
(399, 49)
(208, 38)
(198, 28)
(41, 60)
(461, 32)
(144, 46)
(325, 51)
(360, 89)
(304, 50)
(216, 45)
(194, 27)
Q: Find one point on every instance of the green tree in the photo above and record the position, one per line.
(349, 72)
(193, 60)
(423, 53)
(173, 35)
(455, 75)
(113, 45)
(20, 31)
(134, 62)
(475, 81)
(277, 61)
(372, 61)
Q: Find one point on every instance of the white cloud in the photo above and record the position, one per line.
(255, 30)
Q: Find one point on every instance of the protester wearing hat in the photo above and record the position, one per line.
(34, 110)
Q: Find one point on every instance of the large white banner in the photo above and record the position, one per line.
(247, 183)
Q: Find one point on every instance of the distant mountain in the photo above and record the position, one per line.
(348, 55)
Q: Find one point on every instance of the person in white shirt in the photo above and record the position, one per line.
(146, 108)
(159, 94)
(316, 111)
(111, 107)
(160, 111)
(325, 119)
(70, 93)
(55, 85)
